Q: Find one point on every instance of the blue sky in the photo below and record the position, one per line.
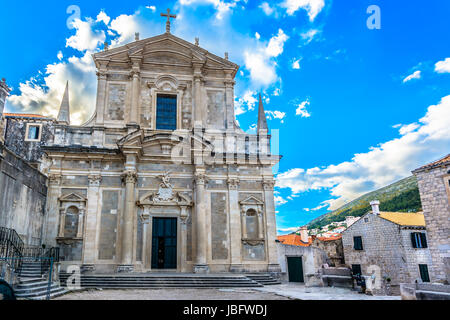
(356, 109)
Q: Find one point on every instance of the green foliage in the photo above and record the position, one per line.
(402, 196)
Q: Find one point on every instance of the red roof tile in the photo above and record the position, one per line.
(294, 240)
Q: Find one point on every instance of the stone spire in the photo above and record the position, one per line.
(4, 92)
(64, 110)
(262, 121)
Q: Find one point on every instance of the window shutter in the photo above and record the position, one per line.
(423, 237)
(413, 240)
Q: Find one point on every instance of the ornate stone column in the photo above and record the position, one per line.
(198, 105)
(271, 230)
(244, 224)
(130, 179)
(260, 224)
(235, 225)
(136, 86)
(80, 223)
(229, 99)
(62, 222)
(200, 223)
(101, 92)
(90, 253)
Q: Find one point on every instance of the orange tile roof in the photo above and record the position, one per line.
(294, 240)
(337, 237)
(24, 115)
(442, 161)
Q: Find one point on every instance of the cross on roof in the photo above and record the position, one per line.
(168, 15)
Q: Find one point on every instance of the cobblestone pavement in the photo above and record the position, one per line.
(172, 294)
(278, 292)
(299, 291)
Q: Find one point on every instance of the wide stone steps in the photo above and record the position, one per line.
(37, 289)
(162, 281)
(264, 279)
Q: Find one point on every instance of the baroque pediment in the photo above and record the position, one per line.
(72, 197)
(164, 49)
(251, 201)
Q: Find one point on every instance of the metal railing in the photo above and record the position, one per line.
(11, 248)
(51, 255)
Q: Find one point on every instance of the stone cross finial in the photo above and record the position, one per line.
(168, 15)
(136, 36)
(197, 41)
(106, 46)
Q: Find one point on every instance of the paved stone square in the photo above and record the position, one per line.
(277, 292)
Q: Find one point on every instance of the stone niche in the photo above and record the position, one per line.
(72, 207)
(252, 221)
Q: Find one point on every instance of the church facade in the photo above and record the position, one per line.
(161, 178)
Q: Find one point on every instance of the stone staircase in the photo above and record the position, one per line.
(263, 278)
(33, 286)
(159, 281)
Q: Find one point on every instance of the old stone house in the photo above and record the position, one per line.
(23, 189)
(391, 245)
(434, 186)
(161, 177)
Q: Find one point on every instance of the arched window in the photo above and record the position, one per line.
(251, 220)
(71, 222)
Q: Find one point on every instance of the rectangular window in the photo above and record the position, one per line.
(423, 268)
(357, 241)
(419, 240)
(166, 112)
(33, 132)
(356, 269)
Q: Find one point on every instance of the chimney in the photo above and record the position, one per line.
(375, 207)
(304, 234)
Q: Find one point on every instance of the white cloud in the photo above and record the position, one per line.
(276, 44)
(404, 129)
(301, 109)
(82, 83)
(442, 66)
(246, 103)
(60, 55)
(261, 61)
(257, 36)
(312, 7)
(268, 10)
(276, 115)
(125, 26)
(152, 8)
(382, 165)
(102, 16)
(291, 229)
(296, 64)
(85, 37)
(309, 35)
(415, 75)
(279, 201)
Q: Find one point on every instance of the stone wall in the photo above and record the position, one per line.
(312, 258)
(385, 245)
(15, 134)
(23, 194)
(434, 187)
(334, 250)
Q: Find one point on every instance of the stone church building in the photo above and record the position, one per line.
(161, 177)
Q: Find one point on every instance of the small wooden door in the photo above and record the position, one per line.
(295, 269)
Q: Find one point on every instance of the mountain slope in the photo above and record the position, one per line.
(401, 196)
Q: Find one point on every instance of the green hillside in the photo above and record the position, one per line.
(401, 196)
